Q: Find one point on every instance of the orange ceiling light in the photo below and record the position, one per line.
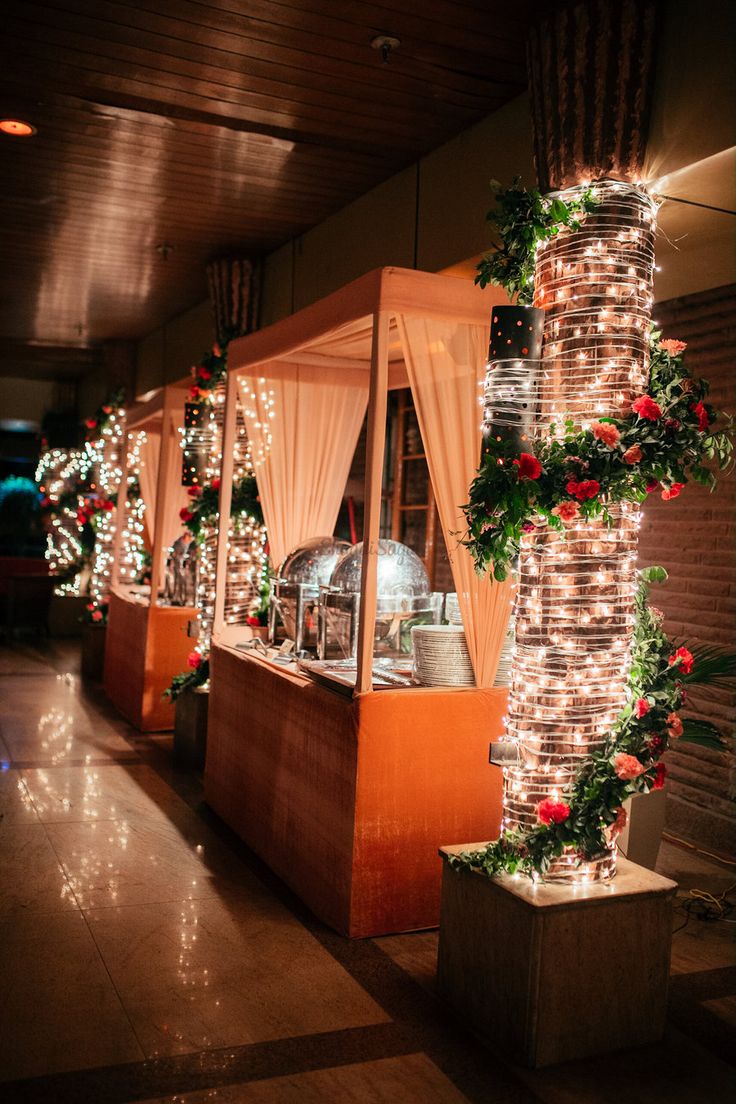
(17, 127)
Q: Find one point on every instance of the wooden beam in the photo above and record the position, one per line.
(375, 446)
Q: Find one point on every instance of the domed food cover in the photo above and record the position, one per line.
(313, 562)
(400, 571)
(295, 590)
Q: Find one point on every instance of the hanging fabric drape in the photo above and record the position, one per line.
(445, 364)
(303, 425)
(148, 478)
(176, 496)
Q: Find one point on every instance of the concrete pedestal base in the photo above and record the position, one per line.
(190, 728)
(547, 973)
(93, 652)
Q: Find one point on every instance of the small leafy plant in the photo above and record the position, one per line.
(523, 219)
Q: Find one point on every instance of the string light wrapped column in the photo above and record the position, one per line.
(575, 601)
(133, 547)
(105, 454)
(246, 539)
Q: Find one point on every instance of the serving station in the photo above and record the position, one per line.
(147, 638)
(331, 760)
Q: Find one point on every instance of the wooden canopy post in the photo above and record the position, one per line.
(375, 446)
(122, 496)
(161, 490)
(225, 500)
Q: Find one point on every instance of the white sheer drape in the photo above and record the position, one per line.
(445, 364)
(303, 425)
(148, 478)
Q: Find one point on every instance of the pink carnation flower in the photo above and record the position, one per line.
(673, 347)
(627, 767)
(605, 432)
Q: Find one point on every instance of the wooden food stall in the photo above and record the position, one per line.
(346, 791)
(147, 640)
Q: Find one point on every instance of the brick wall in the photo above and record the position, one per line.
(694, 537)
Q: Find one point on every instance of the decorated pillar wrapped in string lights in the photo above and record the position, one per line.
(577, 583)
(133, 556)
(105, 452)
(62, 476)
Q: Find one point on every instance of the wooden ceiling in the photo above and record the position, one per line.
(212, 127)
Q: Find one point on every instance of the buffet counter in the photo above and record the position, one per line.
(347, 799)
(146, 646)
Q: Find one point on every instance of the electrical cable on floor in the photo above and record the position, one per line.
(698, 850)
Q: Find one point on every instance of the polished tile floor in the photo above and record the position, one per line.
(146, 955)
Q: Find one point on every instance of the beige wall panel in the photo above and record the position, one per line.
(27, 399)
(375, 230)
(150, 363)
(453, 188)
(276, 292)
(694, 109)
(188, 337)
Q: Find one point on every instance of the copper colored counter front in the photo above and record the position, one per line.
(146, 646)
(348, 800)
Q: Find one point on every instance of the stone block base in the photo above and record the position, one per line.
(547, 973)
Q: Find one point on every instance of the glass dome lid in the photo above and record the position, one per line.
(313, 562)
(400, 571)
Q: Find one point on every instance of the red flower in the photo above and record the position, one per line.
(684, 658)
(97, 615)
(91, 423)
(660, 773)
(632, 455)
(194, 660)
(253, 622)
(550, 811)
(655, 744)
(672, 424)
(653, 485)
(90, 605)
(701, 414)
(566, 511)
(107, 410)
(194, 393)
(627, 767)
(642, 707)
(605, 432)
(673, 347)
(646, 407)
(45, 501)
(674, 726)
(204, 373)
(216, 350)
(587, 488)
(194, 492)
(216, 483)
(528, 527)
(528, 465)
(672, 492)
(185, 514)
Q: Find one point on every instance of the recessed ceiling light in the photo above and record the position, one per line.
(17, 127)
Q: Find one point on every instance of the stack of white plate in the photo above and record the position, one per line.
(452, 609)
(441, 656)
(503, 674)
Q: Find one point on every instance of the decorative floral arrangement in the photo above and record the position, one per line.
(523, 219)
(663, 441)
(211, 369)
(204, 506)
(197, 675)
(95, 613)
(590, 816)
(99, 421)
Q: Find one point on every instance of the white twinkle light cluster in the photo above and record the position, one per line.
(133, 545)
(60, 472)
(576, 587)
(105, 453)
